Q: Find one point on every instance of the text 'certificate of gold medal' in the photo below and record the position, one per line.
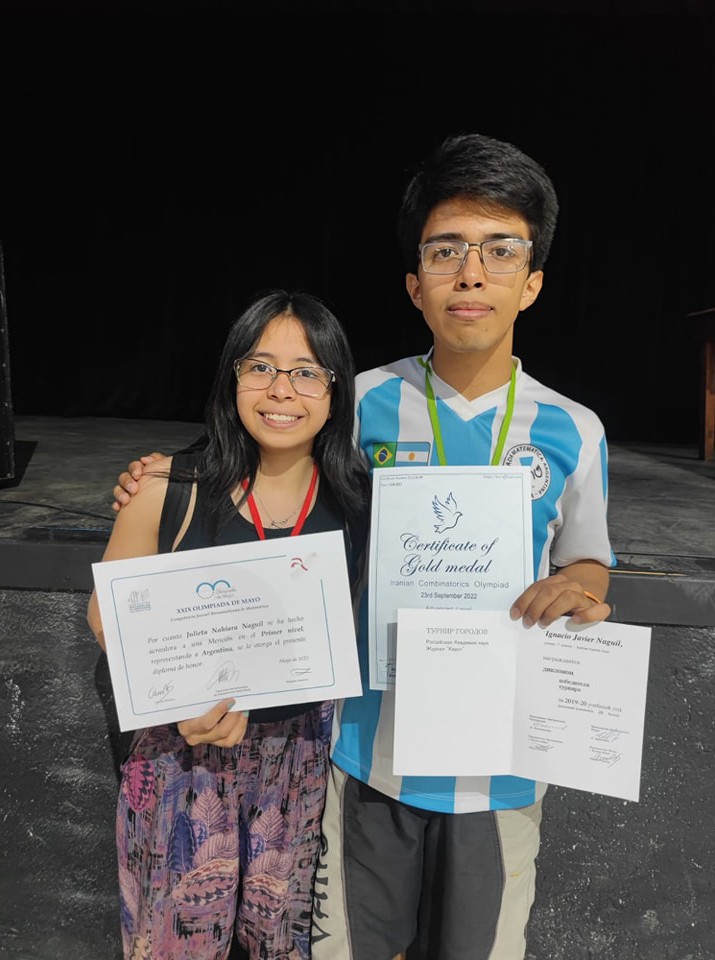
(453, 538)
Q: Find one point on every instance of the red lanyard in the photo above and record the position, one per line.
(301, 516)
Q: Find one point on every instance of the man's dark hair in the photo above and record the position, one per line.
(479, 168)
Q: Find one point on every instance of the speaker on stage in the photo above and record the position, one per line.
(7, 429)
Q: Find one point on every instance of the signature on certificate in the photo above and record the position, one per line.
(606, 734)
(604, 755)
(225, 673)
(161, 694)
(539, 743)
(300, 671)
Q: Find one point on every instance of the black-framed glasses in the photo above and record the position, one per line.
(309, 380)
(505, 255)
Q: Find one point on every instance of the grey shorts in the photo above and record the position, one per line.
(392, 876)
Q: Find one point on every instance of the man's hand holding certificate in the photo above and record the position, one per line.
(450, 551)
(560, 705)
(268, 623)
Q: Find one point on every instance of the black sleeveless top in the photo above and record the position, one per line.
(325, 515)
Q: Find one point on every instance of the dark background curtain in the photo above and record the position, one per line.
(161, 165)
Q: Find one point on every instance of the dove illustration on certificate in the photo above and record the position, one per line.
(447, 513)
(451, 538)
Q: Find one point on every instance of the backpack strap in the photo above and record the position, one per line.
(176, 501)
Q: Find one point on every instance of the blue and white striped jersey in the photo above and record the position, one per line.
(564, 445)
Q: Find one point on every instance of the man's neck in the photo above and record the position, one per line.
(472, 374)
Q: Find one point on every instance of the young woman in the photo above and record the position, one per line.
(218, 820)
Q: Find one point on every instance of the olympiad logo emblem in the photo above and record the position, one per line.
(527, 455)
(222, 588)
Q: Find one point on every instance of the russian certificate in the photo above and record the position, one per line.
(561, 704)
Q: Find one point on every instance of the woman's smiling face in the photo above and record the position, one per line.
(277, 417)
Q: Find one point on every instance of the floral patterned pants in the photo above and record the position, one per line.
(212, 840)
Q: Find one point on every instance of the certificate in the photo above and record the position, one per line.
(444, 538)
(269, 623)
(563, 705)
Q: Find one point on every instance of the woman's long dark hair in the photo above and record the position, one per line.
(230, 454)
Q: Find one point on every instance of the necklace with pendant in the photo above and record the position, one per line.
(277, 523)
(273, 522)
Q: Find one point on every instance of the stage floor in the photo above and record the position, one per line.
(56, 513)
(617, 880)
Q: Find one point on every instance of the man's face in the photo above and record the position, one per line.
(473, 311)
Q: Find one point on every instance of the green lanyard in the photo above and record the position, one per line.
(437, 430)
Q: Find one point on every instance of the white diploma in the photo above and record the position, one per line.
(269, 623)
(477, 694)
(444, 538)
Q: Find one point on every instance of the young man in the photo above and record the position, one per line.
(446, 866)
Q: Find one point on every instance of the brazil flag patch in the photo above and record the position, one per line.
(403, 454)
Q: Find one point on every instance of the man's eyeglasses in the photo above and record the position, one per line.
(253, 374)
(506, 255)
